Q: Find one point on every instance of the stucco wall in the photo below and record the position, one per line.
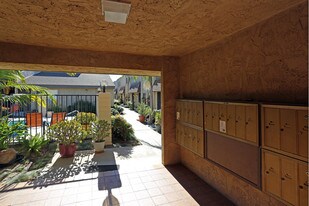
(266, 62)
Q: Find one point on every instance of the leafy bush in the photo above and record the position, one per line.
(55, 108)
(82, 105)
(143, 109)
(117, 102)
(85, 118)
(66, 132)
(130, 105)
(121, 129)
(34, 145)
(158, 118)
(118, 108)
(99, 130)
(114, 111)
(9, 130)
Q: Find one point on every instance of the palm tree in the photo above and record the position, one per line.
(15, 79)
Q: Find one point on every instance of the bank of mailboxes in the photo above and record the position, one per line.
(190, 112)
(234, 119)
(285, 152)
(189, 128)
(190, 138)
(285, 178)
(286, 129)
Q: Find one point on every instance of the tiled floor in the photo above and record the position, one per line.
(174, 185)
(141, 179)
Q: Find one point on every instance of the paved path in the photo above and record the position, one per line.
(144, 133)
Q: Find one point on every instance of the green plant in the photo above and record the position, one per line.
(9, 130)
(15, 79)
(143, 109)
(82, 105)
(130, 105)
(118, 108)
(99, 130)
(121, 129)
(34, 145)
(114, 111)
(55, 108)
(117, 102)
(66, 132)
(85, 118)
(158, 118)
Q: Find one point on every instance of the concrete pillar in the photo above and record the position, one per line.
(104, 111)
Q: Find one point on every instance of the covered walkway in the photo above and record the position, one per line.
(124, 176)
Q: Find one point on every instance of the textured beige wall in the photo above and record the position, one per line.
(267, 62)
(237, 190)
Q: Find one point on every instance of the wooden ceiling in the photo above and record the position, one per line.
(154, 27)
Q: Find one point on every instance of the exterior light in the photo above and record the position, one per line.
(116, 11)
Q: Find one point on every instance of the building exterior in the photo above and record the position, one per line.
(72, 92)
(136, 89)
(79, 84)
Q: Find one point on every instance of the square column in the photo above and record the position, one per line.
(104, 111)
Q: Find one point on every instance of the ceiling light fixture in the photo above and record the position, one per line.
(116, 11)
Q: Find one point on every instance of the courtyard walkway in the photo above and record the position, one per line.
(119, 176)
(143, 133)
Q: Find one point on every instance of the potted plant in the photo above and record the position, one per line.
(99, 130)
(85, 118)
(143, 111)
(67, 134)
(158, 121)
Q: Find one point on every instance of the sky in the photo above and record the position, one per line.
(114, 77)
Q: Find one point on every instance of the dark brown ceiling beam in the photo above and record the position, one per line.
(28, 57)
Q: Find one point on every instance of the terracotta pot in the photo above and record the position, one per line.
(141, 118)
(67, 150)
(98, 146)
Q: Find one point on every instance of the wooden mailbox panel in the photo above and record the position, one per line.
(271, 173)
(302, 131)
(230, 121)
(288, 130)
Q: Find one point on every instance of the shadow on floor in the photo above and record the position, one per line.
(202, 193)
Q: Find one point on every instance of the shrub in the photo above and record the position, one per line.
(9, 130)
(56, 108)
(117, 102)
(34, 145)
(121, 129)
(66, 132)
(85, 118)
(118, 108)
(114, 111)
(82, 105)
(158, 118)
(143, 109)
(130, 105)
(99, 130)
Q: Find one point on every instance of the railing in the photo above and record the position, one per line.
(37, 117)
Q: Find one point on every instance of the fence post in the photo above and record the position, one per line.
(104, 111)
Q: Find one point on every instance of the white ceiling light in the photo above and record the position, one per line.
(116, 11)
